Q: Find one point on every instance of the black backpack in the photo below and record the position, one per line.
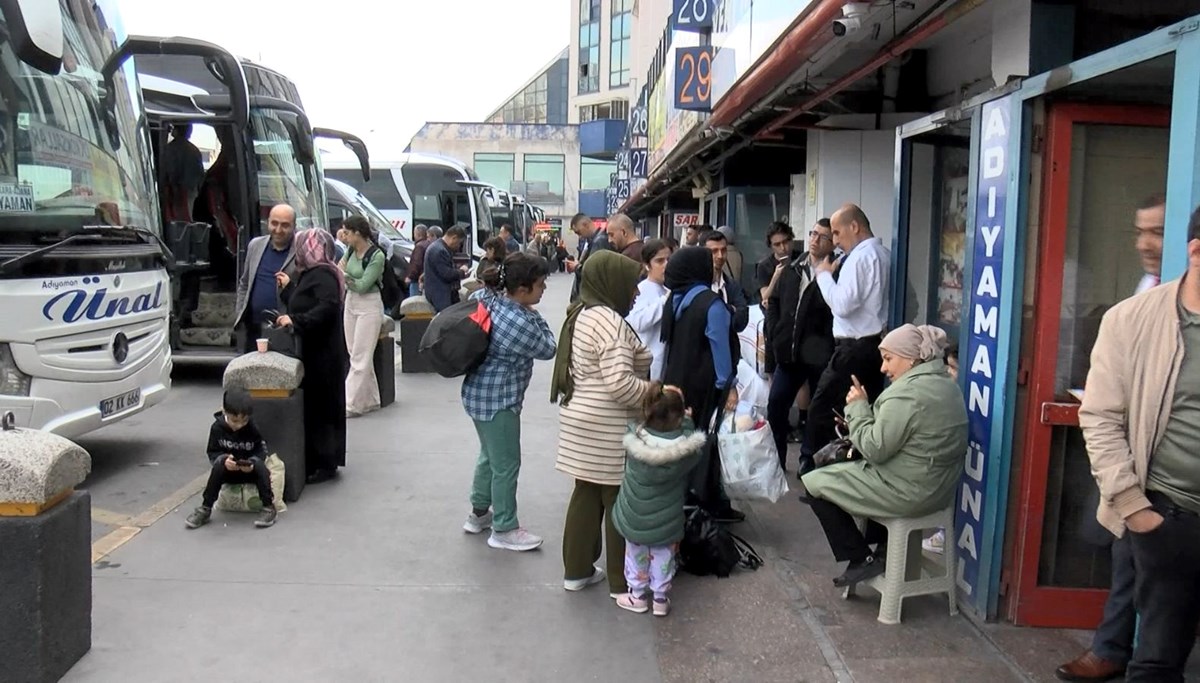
(709, 549)
(389, 284)
(456, 341)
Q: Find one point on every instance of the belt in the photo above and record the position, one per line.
(1165, 505)
(848, 340)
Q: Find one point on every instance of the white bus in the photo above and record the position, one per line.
(82, 266)
(425, 189)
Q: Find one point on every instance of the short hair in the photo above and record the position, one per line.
(420, 229)
(621, 221)
(237, 402)
(435, 231)
(1194, 225)
(779, 228)
(579, 218)
(651, 248)
(713, 236)
(497, 245)
(672, 243)
(825, 223)
(456, 231)
(505, 227)
(360, 226)
(1152, 201)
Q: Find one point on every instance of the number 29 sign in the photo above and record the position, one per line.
(693, 78)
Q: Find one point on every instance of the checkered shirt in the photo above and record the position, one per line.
(519, 336)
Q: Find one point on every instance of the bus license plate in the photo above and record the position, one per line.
(117, 404)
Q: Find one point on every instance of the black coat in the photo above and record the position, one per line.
(599, 243)
(799, 323)
(315, 307)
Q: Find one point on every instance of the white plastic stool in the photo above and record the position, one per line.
(908, 572)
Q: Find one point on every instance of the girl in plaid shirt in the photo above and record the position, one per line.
(492, 395)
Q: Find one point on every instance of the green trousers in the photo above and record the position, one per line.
(590, 509)
(496, 471)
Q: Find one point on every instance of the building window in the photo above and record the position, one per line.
(619, 58)
(595, 174)
(544, 177)
(496, 169)
(589, 46)
(616, 109)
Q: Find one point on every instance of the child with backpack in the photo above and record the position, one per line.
(660, 453)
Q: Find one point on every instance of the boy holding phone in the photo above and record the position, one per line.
(238, 455)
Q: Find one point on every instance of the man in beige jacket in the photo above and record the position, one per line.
(1141, 420)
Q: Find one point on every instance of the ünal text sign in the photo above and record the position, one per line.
(986, 280)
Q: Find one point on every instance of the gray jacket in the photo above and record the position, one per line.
(254, 253)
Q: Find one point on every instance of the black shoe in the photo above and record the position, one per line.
(858, 572)
(806, 466)
(321, 476)
(730, 516)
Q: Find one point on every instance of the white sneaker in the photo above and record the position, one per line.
(477, 525)
(517, 539)
(935, 543)
(579, 584)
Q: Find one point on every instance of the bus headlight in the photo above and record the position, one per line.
(13, 382)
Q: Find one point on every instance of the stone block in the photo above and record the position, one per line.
(416, 307)
(36, 466)
(281, 422)
(46, 601)
(411, 360)
(270, 370)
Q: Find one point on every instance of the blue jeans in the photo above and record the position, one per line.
(414, 289)
(1114, 636)
(786, 383)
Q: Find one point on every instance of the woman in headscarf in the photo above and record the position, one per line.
(911, 444)
(314, 311)
(600, 378)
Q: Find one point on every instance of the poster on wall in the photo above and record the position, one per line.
(952, 255)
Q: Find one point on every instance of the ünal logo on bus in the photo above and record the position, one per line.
(77, 304)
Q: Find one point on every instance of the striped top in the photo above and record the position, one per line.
(610, 366)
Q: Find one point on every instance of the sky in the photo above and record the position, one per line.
(376, 69)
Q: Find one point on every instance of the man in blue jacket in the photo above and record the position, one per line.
(442, 277)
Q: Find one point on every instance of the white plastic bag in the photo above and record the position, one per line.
(750, 463)
(244, 497)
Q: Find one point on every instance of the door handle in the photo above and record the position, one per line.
(1060, 414)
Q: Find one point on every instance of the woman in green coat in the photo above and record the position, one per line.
(912, 444)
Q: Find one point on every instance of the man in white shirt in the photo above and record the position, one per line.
(856, 289)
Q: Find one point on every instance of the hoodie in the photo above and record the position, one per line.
(649, 509)
(242, 444)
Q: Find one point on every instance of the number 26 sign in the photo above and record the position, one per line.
(693, 78)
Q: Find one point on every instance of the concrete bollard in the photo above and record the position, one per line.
(385, 363)
(45, 555)
(273, 381)
(417, 312)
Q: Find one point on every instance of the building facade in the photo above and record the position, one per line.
(1001, 147)
(543, 99)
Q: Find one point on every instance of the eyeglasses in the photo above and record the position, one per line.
(818, 235)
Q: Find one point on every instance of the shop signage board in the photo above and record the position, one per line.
(974, 518)
(743, 31)
(685, 220)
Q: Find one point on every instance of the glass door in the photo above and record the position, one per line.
(1103, 163)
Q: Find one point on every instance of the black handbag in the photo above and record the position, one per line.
(838, 450)
(281, 339)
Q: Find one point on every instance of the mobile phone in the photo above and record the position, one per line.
(244, 463)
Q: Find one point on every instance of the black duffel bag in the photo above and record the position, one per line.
(710, 549)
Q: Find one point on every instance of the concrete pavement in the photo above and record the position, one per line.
(369, 578)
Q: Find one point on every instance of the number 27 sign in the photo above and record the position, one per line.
(693, 78)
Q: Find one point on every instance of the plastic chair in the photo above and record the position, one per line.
(909, 572)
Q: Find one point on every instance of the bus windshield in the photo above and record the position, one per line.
(65, 161)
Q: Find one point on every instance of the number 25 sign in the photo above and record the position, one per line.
(693, 78)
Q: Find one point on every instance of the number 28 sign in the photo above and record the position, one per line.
(693, 78)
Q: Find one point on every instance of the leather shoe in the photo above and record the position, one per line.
(1089, 667)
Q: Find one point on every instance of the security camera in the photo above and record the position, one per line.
(852, 16)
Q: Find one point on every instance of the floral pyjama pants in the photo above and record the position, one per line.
(649, 567)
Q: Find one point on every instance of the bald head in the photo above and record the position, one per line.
(620, 230)
(850, 226)
(281, 224)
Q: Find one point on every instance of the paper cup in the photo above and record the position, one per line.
(262, 345)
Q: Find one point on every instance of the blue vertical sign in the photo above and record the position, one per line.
(982, 359)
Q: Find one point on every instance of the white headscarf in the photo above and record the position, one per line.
(920, 343)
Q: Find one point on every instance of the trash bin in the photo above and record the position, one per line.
(273, 382)
(46, 562)
(417, 312)
(385, 363)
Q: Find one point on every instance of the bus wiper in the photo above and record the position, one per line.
(90, 232)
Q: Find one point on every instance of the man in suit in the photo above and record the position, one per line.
(442, 277)
(266, 255)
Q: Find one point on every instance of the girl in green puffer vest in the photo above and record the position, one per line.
(649, 511)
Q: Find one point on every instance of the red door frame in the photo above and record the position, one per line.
(1031, 604)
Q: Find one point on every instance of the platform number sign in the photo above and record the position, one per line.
(623, 189)
(695, 16)
(612, 202)
(637, 162)
(638, 122)
(693, 78)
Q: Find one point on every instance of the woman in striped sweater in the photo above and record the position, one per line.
(600, 379)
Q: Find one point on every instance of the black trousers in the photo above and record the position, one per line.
(1113, 639)
(248, 333)
(847, 542)
(789, 378)
(219, 476)
(1166, 593)
(858, 357)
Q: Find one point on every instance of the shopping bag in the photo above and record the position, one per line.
(749, 462)
(244, 497)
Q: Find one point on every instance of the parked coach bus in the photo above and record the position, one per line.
(86, 294)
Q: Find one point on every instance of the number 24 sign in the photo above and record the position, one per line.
(693, 78)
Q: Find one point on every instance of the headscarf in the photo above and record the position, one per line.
(687, 268)
(609, 279)
(314, 249)
(920, 343)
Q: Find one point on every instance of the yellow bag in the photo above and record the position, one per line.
(244, 497)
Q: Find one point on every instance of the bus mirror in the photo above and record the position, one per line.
(353, 143)
(35, 29)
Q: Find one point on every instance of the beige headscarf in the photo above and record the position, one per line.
(920, 343)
